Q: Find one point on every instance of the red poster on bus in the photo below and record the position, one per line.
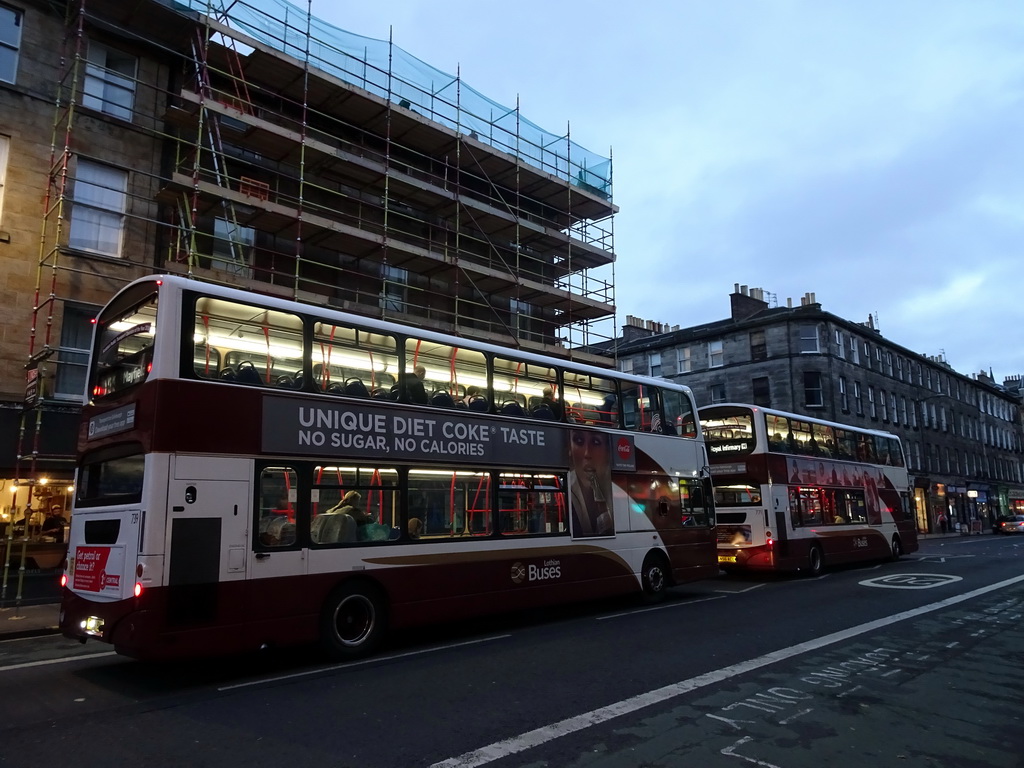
(98, 569)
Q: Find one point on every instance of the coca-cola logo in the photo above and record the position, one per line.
(624, 448)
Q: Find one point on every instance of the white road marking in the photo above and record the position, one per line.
(362, 662)
(731, 752)
(63, 660)
(657, 608)
(739, 591)
(546, 733)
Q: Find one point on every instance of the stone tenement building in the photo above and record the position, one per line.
(255, 145)
(963, 435)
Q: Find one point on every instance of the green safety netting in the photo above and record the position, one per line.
(384, 69)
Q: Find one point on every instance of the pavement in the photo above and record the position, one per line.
(36, 620)
(28, 620)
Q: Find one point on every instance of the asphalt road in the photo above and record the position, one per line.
(914, 663)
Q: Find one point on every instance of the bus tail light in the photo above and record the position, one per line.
(138, 589)
(63, 579)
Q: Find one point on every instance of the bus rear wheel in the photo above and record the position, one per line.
(654, 577)
(815, 561)
(353, 621)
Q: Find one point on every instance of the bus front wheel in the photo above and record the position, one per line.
(897, 548)
(655, 577)
(815, 561)
(353, 621)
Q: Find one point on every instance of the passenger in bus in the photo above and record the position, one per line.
(415, 527)
(548, 398)
(415, 389)
(590, 483)
(347, 506)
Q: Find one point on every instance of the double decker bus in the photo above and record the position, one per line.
(259, 472)
(797, 493)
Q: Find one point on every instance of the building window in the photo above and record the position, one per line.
(233, 247)
(684, 360)
(808, 338)
(100, 202)
(5, 146)
(840, 345)
(524, 319)
(762, 393)
(888, 363)
(716, 357)
(626, 366)
(758, 348)
(854, 356)
(654, 361)
(867, 355)
(109, 81)
(73, 353)
(812, 389)
(844, 397)
(883, 404)
(717, 393)
(872, 408)
(394, 288)
(892, 407)
(858, 402)
(10, 42)
(899, 368)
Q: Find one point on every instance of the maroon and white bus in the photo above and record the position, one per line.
(796, 493)
(259, 472)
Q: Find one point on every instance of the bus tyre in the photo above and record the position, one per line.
(655, 577)
(897, 548)
(815, 561)
(353, 621)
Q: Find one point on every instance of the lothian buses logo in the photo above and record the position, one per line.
(551, 569)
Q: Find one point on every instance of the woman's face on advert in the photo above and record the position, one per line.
(589, 450)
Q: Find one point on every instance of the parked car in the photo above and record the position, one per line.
(1011, 524)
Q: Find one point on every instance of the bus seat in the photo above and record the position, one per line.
(511, 408)
(227, 374)
(330, 529)
(347, 528)
(336, 388)
(479, 403)
(544, 412)
(356, 388)
(442, 399)
(380, 393)
(246, 373)
(316, 528)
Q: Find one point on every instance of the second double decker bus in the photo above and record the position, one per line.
(255, 471)
(797, 493)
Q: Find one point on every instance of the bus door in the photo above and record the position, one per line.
(682, 512)
(207, 539)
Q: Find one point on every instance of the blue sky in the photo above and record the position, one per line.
(870, 152)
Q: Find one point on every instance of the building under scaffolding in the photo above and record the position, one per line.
(251, 143)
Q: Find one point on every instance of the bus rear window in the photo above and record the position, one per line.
(102, 531)
(124, 345)
(111, 478)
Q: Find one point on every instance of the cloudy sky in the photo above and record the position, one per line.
(871, 152)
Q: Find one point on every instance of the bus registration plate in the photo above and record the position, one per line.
(727, 558)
